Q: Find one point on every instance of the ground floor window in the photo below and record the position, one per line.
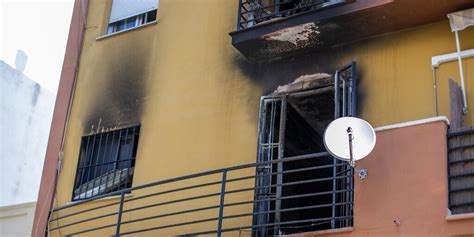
(106, 162)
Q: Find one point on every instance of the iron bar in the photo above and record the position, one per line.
(221, 204)
(119, 215)
(269, 225)
(451, 162)
(239, 15)
(264, 198)
(234, 168)
(457, 190)
(461, 147)
(229, 192)
(461, 133)
(281, 151)
(200, 209)
(290, 12)
(461, 175)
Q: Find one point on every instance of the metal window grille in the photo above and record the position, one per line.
(253, 12)
(106, 163)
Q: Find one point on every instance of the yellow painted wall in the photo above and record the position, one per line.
(181, 79)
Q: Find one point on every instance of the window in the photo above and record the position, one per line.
(304, 195)
(126, 14)
(106, 163)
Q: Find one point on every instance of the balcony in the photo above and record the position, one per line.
(271, 29)
(319, 196)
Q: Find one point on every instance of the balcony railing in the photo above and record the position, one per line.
(219, 201)
(461, 170)
(254, 12)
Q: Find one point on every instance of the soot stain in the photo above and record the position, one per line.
(118, 98)
(271, 74)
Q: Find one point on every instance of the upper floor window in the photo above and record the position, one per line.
(126, 14)
(106, 163)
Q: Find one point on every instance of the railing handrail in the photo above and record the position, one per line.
(262, 195)
(195, 175)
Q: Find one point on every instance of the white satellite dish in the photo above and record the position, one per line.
(349, 139)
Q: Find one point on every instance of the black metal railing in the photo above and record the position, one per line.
(218, 201)
(461, 170)
(253, 12)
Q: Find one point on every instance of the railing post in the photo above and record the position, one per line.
(221, 205)
(239, 15)
(119, 215)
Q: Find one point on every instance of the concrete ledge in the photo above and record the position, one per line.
(18, 206)
(456, 217)
(413, 123)
(323, 232)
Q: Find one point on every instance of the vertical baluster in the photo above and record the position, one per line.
(119, 215)
(281, 151)
(221, 205)
(239, 16)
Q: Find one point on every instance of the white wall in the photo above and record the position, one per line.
(25, 118)
(17, 220)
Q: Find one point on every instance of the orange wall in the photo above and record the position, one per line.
(407, 182)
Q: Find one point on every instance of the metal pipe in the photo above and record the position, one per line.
(458, 47)
(435, 90)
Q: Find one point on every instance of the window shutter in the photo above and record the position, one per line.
(122, 9)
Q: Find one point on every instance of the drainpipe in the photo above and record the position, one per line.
(435, 90)
(439, 59)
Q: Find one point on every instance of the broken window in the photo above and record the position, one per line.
(106, 163)
(127, 14)
(310, 194)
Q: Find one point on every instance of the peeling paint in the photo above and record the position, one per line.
(302, 82)
(295, 35)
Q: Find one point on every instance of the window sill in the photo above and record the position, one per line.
(456, 217)
(323, 232)
(127, 195)
(127, 30)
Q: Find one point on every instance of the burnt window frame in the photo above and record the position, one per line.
(102, 157)
(344, 91)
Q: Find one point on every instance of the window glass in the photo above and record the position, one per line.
(151, 16)
(106, 163)
(131, 22)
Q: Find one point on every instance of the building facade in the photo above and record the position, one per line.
(167, 105)
(25, 118)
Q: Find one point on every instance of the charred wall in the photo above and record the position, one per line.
(117, 87)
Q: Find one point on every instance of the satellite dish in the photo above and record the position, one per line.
(349, 139)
